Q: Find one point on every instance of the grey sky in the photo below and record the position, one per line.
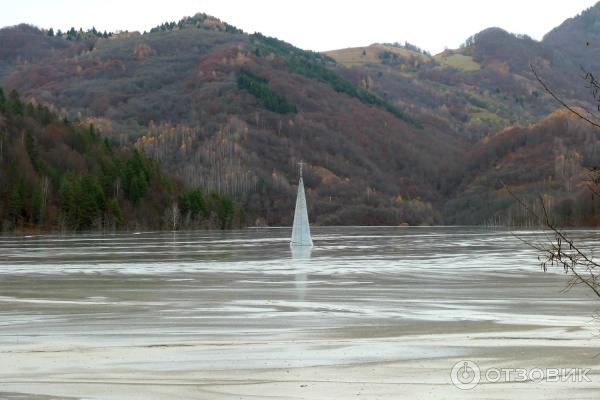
(312, 24)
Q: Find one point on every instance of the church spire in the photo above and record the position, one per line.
(301, 228)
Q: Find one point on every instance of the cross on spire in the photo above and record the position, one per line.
(301, 163)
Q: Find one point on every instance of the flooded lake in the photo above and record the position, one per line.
(372, 312)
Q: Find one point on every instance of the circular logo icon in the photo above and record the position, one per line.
(465, 374)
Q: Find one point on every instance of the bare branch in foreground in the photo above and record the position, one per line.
(562, 251)
(561, 101)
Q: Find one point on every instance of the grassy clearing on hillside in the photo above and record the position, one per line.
(458, 61)
(486, 115)
(369, 55)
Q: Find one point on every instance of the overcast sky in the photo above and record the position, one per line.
(312, 24)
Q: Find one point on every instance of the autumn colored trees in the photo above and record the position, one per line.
(211, 108)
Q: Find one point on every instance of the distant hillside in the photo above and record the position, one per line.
(475, 90)
(208, 105)
(579, 39)
(376, 54)
(62, 175)
(25, 44)
(390, 134)
(548, 159)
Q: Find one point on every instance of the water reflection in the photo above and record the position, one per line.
(301, 253)
(301, 257)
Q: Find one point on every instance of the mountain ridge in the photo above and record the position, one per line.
(385, 130)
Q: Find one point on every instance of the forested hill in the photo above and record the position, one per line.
(387, 131)
(555, 159)
(233, 113)
(62, 175)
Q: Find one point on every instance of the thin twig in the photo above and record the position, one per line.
(557, 255)
(561, 101)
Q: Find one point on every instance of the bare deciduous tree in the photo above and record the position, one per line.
(175, 215)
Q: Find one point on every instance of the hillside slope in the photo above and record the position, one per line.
(208, 105)
(550, 159)
(477, 89)
(579, 39)
(388, 132)
(62, 175)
